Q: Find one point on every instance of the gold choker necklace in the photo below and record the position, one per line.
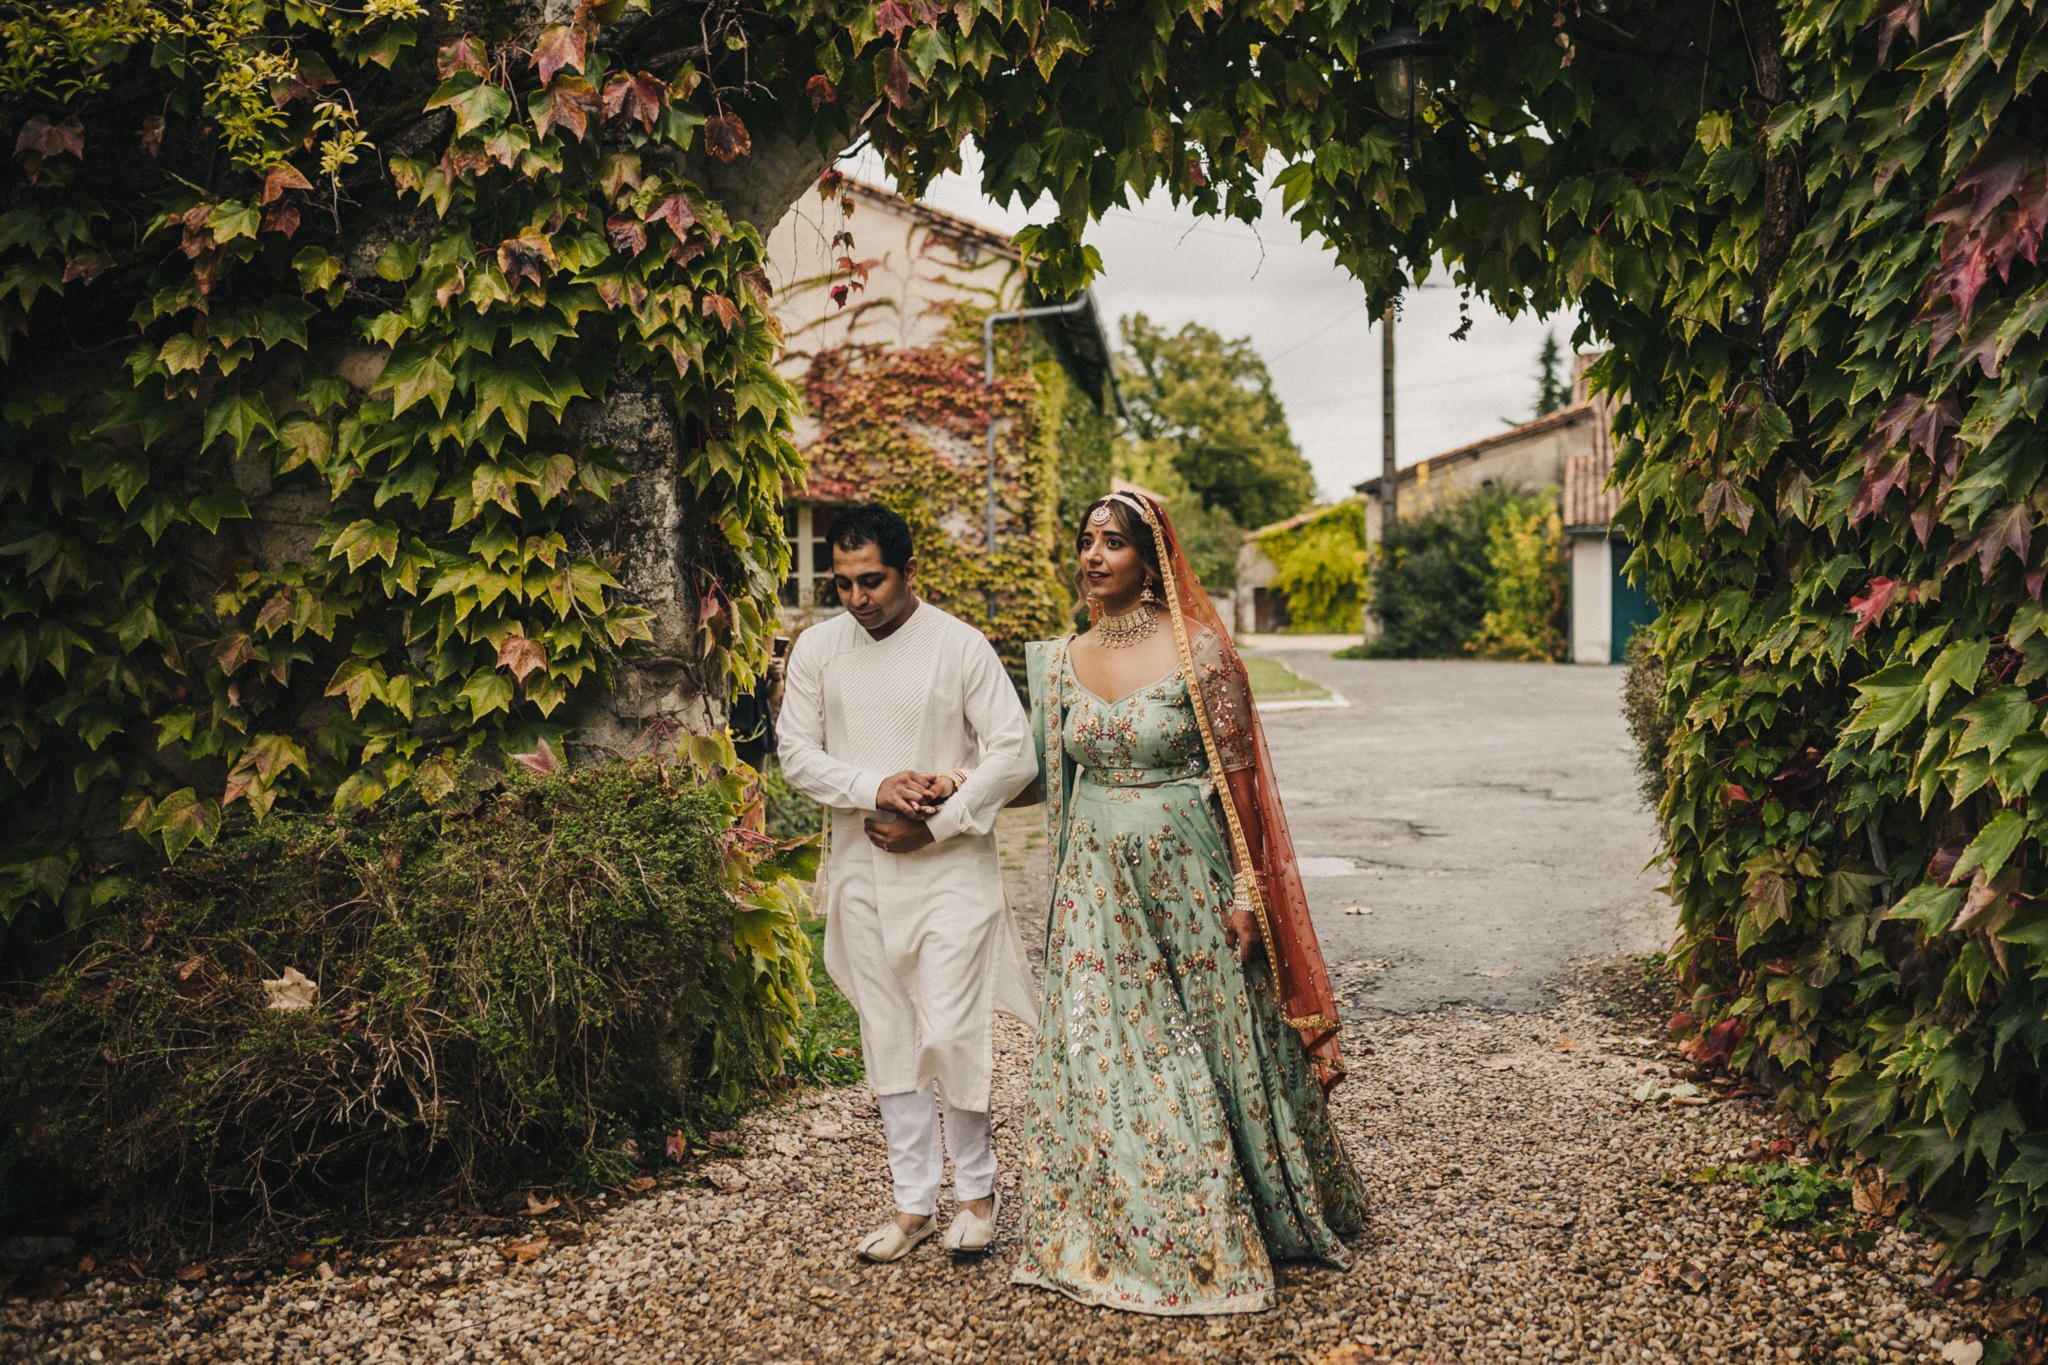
(1121, 632)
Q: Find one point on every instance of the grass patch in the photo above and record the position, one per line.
(1272, 680)
(827, 1048)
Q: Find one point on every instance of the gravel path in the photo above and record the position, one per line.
(1528, 1208)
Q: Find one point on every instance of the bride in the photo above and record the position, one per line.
(1177, 1140)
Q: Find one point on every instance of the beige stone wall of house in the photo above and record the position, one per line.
(1530, 462)
(919, 264)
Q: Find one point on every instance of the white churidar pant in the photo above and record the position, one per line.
(915, 1162)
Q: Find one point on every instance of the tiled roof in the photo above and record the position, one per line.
(1563, 417)
(1588, 501)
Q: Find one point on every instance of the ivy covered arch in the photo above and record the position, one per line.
(382, 380)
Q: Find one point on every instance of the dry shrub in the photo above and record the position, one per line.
(516, 983)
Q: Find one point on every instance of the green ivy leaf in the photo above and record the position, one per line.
(240, 414)
(473, 102)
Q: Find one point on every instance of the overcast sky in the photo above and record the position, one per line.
(1307, 318)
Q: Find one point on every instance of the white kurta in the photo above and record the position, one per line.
(921, 943)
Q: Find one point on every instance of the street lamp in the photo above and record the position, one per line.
(1400, 68)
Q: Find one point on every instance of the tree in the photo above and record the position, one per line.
(1210, 536)
(1212, 402)
(1553, 390)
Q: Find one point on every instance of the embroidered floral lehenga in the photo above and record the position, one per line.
(1178, 1142)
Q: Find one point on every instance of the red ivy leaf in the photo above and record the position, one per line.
(525, 255)
(758, 281)
(570, 103)
(1870, 608)
(822, 93)
(726, 138)
(280, 177)
(464, 54)
(153, 134)
(896, 77)
(84, 269)
(1719, 1041)
(626, 235)
(838, 293)
(560, 45)
(678, 212)
(641, 97)
(2011, 529)
(1878, 482)
(1735, 791)
(1724, 499)
(721, 307)
(521, 656)
(542, 762)
(40, 137)
(892, 18)
(282, 219)
(1904, 14)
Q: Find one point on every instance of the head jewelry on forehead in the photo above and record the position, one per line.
(1101, 513)
(1132, 501)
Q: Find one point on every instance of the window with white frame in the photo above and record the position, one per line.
(806, 526)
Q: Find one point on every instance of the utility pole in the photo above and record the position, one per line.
(1389, 499)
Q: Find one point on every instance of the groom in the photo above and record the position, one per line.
(900, 719)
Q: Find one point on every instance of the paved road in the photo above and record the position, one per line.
(1485, 813)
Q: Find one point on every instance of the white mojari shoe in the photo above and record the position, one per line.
(969, 1233)
(891, 1243)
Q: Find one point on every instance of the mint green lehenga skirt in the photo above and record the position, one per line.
(1177, 1143)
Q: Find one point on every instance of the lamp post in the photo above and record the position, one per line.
(1399, 64)
(1400, 67)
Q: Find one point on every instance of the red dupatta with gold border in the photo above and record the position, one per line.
(1220, 692)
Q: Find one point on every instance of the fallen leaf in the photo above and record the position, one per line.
(1350, 1353)
(189, 966)
(826, 1130)
(787, 1144)
(292, 991)
(197, 1270)
(1566, 1044)
(1358, 910)
(536, 1205)
(568, 1235)
(523, 1252)
(300, 1260)
(1873, 1196)
(1962, 1352)
(721, 1137)
(678, 1145)
(640, 1184)
(725, 1177)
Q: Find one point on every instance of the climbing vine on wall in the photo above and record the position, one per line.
(906, 427)
(302, 468)
(1320, 566)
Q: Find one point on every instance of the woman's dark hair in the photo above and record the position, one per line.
(1133, 528)
(873, 524)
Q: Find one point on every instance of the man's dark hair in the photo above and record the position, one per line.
(873, 524)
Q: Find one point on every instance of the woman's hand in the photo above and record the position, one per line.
(1241, 932)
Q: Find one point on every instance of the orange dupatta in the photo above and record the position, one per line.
(1220, 692)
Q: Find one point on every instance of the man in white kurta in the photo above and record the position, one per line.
(920, 941)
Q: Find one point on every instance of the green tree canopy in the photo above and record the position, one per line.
(1211, 401)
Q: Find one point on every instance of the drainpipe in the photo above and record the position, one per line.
(988, 379)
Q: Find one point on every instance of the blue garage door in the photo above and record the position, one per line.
(1632, 606)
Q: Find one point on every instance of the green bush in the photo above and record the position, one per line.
(1525, 583)
(1441, 573)
(519, 982)
(1320, 567)
(1648, 712)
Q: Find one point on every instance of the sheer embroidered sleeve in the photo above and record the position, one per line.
(1228, 699)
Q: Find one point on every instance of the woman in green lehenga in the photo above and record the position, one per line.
(1177, 1141)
